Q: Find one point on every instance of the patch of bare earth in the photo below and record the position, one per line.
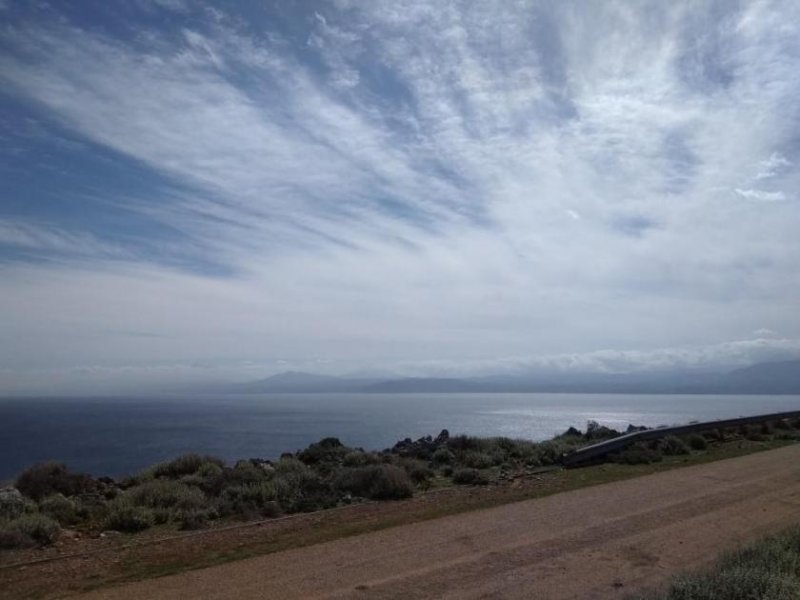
(598, 542)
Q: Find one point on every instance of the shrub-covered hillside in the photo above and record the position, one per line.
(192, 491)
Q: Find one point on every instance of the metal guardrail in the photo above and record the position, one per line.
(595, 451)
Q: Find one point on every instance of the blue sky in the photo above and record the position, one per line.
(195, 191)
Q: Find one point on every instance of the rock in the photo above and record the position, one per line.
(110, 533)
(70, 534)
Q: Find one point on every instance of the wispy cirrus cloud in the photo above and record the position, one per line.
(409, 180)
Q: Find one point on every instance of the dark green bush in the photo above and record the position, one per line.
(209, 469)
(637, 454)
(477, 460)
(125, 516)
(49, 478)
(13, 504)
(30, 529)
(470, 477)
(300, 489)
(419, 472)
(165, 493)
(249, 500)
(357, 458)
(673, 446)
(769, 570)
(443, 456)
(462, 443)
(376, 482)
(60, 508)
(187, 464)
(595, 432)
(697, 442)
(327, 450)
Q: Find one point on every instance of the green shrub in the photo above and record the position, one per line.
(463, 443)
(637, 454)
(477, 460)
(60, 508)
(209, 469)
(49, 478)
(125, 516)
(29, 530)
(327, 450)
(419, 472)
(697, 442)
(470, 477)
(299, 489)
(549, 453)
(165, 493)
(443, 456)
(13, 504)
(769, 570)
(673, 446)
(188, 464)
(248, 500)
(595, 432)
(358, 458)
(377, 482)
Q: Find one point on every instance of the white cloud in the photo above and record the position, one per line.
(770, 167)
(761, 195)
(449, 183)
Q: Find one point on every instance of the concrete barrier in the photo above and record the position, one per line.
(589, 454)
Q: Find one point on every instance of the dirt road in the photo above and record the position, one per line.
(600, 542)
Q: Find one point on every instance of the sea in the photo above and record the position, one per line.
(119, 436)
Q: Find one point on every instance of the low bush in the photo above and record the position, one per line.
(164, 493)
(470, 477)
(13, 504)
(300, 489)
(637, 454)
(209, 469)
(769, 570)
(595, 432)
(673, 446)
(358, 458)
(377, 482)
(127, 517)
(46, 479)
(249, 500)
(187, 464)
(443, 456)
(60, 508)
(477, 460)
(697, 442)
(419, 471)
(327, 450)
(28, 530)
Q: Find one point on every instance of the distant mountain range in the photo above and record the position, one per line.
(762, 378)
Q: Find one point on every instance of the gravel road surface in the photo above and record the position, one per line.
(594, 543)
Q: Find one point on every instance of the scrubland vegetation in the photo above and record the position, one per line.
(769, 570)
(194, 491)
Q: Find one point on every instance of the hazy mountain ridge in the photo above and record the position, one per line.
(763, 378)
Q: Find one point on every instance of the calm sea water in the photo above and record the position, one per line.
(118, 436)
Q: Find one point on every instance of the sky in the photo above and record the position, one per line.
(195, 192)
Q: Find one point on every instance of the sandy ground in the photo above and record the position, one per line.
(600, 542)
